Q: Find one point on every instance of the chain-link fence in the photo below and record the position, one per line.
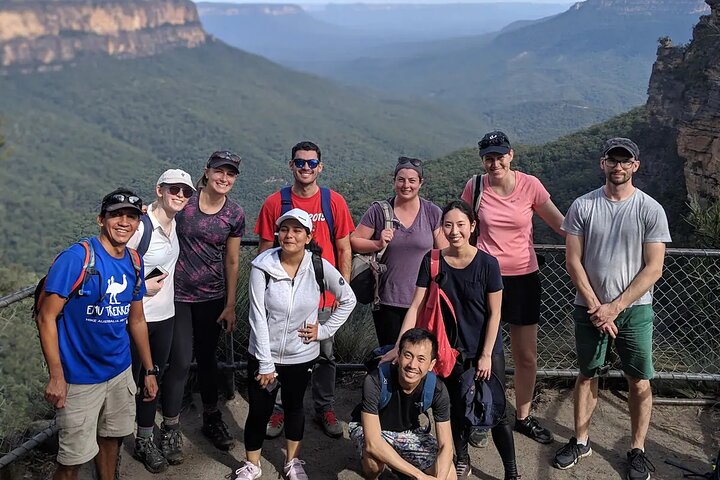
(686, 339)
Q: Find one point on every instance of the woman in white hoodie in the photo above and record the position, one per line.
(284, 335)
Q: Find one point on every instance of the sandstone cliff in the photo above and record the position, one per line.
(684, 94)
(37, 35)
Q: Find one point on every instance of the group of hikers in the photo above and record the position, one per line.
(129, 309)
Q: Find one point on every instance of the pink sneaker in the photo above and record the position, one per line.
(248, 471)
(294, 470)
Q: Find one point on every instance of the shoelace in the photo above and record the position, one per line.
(330, 417)
(220, 429)
(462, 468)
(172, 438)
(296, 468)
(247, 467)
(639, 462)
(572, 448)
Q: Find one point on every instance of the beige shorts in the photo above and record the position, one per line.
(99, 410)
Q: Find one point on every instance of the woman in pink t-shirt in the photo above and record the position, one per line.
(505, 211)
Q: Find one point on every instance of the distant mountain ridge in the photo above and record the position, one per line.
(42, 35)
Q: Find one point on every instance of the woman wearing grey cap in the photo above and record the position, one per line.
(505, 201)
(416, 230)
(286, 285)
(156, 240)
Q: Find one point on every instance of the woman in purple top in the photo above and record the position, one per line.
(206, 275)
(416, 230)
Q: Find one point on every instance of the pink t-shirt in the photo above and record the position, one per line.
(506, 230)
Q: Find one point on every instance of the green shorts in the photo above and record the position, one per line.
(633, 342)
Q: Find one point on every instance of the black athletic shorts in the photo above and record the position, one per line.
(521, 299)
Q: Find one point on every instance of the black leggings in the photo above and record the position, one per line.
(160, 335)
(501, 433)
(294, 380)
(388, 321)
(205, 333)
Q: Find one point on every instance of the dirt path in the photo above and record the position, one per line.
(685, 434)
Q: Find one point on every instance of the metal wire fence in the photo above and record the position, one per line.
(686, 339)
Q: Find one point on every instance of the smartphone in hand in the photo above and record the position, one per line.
(156, 272)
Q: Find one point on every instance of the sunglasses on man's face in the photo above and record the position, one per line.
(312, 163)
(175, 189)
(494, 140)
(415, 162)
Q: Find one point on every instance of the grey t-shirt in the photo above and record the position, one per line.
(613, 237)
(405, 252)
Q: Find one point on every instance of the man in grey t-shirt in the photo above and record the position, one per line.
(615, 251)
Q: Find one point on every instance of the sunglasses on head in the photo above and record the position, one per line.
(122, 198)
(227, 155)
(312, 163)
(415, 162)
(175, 189)
(493, 140)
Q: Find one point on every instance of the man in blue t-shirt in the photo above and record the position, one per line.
(84, 337)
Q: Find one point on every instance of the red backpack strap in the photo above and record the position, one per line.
(434, 263)
(88, 262)
(137, 266)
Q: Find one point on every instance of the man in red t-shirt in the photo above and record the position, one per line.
(306, 165)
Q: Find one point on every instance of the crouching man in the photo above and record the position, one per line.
(386, 425)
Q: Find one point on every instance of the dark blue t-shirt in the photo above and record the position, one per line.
(467, 289)
(92, 330)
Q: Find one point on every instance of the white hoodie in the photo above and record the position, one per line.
(282, 305)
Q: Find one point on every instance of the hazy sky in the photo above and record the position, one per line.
(561, 2)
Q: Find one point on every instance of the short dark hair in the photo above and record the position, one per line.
(458, 205)
(419, 335)
(306, 145)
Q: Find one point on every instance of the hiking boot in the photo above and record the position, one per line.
(478, 438)
(532, 429)
(216, 430)
(570, 454)
(463, 468)
(248, 471)
(171, 442)
(639, 467)
(148, 453)
(276, 423)
(294, 470)
(330, 425)
(514, 477)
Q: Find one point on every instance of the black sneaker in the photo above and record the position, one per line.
(478, 438)
(216, 430)
(148, 453)
(171, 442)
(570, 454)
(463, 468)
(639, 467)
(532, 429)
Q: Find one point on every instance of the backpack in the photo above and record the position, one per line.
(385, 375)
(88, 270)
(142, 247)
(319, 274)
(367, 267)
(484, 399)
(430, 317)
(477, 189)
(325, 205)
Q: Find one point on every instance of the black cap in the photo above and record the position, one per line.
(223, 158)
(494, 142)
(121, 198)
(623, 143)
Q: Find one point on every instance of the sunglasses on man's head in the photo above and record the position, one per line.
(312, 163)
(415, 162)
(175, 189)
(227, 155)
(493, 140)
(122, 198)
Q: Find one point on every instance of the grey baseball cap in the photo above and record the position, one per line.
(624, 143)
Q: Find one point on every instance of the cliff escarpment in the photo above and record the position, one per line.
(684, 95)
(41, 35)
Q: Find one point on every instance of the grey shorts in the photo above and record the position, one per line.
(98, 410)
(415, 446)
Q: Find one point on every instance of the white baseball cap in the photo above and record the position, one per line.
(176, 176)
(298, 214)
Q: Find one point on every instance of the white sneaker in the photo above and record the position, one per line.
(294, 470)
(248, 471)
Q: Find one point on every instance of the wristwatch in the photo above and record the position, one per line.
(153, 371)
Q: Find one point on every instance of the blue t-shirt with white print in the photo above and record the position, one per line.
(92, 330)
